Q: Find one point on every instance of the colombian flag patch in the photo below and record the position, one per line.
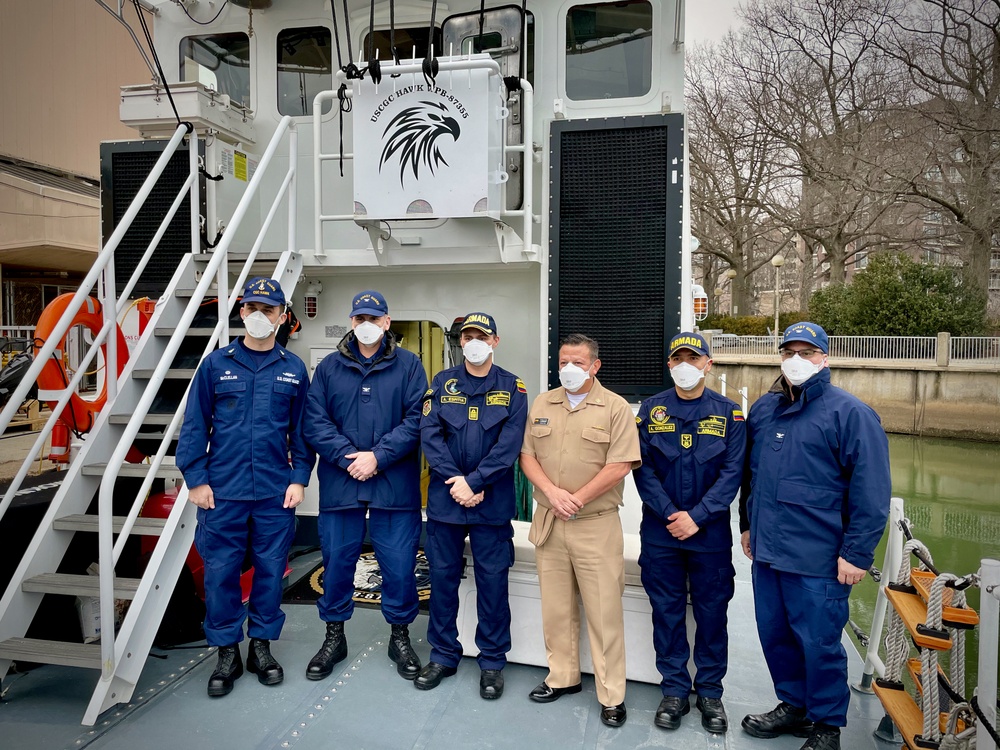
(737, 415)
(520, 386)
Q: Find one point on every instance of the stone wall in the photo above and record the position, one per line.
(913, 400)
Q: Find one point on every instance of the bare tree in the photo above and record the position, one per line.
(951, 53)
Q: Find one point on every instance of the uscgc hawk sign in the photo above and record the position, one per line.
(424, 149)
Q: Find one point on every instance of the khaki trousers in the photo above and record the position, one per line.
(585, 556)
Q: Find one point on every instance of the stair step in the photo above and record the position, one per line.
(179, 374)
(78, 585)
(914, 613)
(167, 470)
(87, 655)
(237, 257)
(149, 419)
(86, 522)
(169, 330)
(903, 711)
(914, 667)
(953, 617)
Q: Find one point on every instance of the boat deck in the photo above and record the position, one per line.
(364, 704)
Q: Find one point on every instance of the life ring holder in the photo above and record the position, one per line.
(80, 413)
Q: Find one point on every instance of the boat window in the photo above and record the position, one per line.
(305, 68)
(609, 50)
(410, 43)
(493, 40)
(219, 61)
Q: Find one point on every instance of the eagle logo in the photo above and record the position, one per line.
(413, 134)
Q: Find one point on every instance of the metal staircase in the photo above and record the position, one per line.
(146, 403)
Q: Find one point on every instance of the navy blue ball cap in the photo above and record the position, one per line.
(693, 341)
(810, 333)
(264, 290)
(369, 302)
(481, 321)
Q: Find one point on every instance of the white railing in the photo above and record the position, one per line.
(101, 270)
(884, 347)
(216, 270)
(974, 349)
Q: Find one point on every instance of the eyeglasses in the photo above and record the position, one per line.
(804, 353)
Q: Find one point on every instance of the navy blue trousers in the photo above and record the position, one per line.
(221, 539)
(800, 620)
(668, 575)
(493, 554)
(395, 535)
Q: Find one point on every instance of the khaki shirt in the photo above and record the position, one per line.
(573, 445)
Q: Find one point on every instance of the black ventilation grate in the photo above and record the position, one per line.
(124, 167)
(616, 245)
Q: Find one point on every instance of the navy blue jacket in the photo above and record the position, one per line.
(241, 423)
(692, 459)
(818, 486)
(473, 427)
(357, 407)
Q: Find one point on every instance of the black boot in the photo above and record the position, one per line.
(261, 663)
(227, 671)
(823, 737)
(334, 649)
(401, 652)
(783, 719)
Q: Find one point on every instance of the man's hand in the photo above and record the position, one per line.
(460, 491)
(294, 495)
(202, 496)
(745, 544)
(564, 504)
(681, 526)
(364, 466)
(847, 573)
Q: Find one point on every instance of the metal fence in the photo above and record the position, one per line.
(962, 350)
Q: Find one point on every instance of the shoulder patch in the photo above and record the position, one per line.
(427, 407)
(520, 386)
(737, 415)
(638, 419)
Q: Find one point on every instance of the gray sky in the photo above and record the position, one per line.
(708, 20)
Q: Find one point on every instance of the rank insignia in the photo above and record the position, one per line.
(686, 441)
(473, 413)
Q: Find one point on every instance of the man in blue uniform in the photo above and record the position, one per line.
(813, 506)
(471, 432)
(242, 423)
(364, 422)
(692, 442)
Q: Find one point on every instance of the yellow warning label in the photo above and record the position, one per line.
(240, 166)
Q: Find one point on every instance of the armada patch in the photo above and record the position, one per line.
(498, 398)
(658, 415)
(473, 413)
(451, 386)
(712, 426)
(427, 407)
(520, 386)
(453, 399)
(686, 441)
(663, 428)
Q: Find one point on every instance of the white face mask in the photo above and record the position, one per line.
(798, 370)
(477, 351)
(686, 376)
(368, 333)
(572, 377)
(257, 325)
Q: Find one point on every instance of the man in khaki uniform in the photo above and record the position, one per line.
(579, 445)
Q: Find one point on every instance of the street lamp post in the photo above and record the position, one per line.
(777, 261)
(731, 275)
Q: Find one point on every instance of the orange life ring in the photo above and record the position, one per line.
(80, 413)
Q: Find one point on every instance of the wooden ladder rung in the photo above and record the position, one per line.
(954, 617)
(914, 613)
(904, 712)
(914, 667)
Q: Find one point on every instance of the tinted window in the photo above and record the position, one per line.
(305, 68)
(220, 61)
(609, 50)
(410, 43)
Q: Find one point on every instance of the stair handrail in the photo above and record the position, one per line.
(102, 265)
(106, 554)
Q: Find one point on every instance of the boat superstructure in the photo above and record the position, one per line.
(524, 160)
